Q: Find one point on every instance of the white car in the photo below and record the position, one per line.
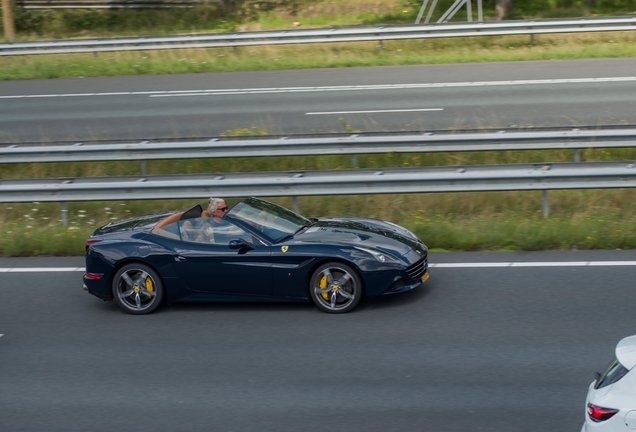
(611, 399)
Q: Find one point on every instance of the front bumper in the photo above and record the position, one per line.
(403, 284)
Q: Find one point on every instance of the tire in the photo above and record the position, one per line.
(327, 284)
(133, 288)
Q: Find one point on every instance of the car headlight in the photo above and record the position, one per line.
(382, 257)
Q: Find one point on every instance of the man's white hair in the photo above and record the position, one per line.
(214, 204)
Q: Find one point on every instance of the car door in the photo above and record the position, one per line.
(206, 263)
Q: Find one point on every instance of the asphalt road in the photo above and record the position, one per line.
(308, 101)
(497, 349)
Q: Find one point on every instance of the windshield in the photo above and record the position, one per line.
(272, 220)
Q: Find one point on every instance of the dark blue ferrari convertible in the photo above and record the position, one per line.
(259, 251)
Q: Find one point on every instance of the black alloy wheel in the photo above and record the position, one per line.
(137, 289)
(335, 287)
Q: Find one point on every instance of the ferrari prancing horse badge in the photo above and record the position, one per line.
(284, 248)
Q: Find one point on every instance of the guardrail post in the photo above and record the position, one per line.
(532, 39)
(546, 204)
(296, 205)
(64, 212)
(354, 161)
(143, 167)
(7, 20)
(381, 44)
(577, 155)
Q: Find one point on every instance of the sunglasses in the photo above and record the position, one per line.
(223, 209)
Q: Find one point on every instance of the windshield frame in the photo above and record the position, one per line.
(269, 220)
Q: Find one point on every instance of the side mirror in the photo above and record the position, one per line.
(241, 245)
(597, 375)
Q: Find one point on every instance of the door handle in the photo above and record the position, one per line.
(179, 258)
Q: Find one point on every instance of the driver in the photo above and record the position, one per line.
(200, 229)
(222, 232)
(216, 208)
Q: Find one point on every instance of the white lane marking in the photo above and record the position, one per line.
(431, 265)
(41, 269)
(374, 111)
(217, 92)
(535, 264)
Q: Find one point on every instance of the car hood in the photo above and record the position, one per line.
(146, 222)
(367, 233)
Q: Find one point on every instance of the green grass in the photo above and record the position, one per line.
(588, 219)
(595, 219)
(452, 222)
(439, 51)
(50, 24)
(281, 14)
(383, 160)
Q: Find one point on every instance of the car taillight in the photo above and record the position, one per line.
(599, 414)
(91, 241)
(93, 276)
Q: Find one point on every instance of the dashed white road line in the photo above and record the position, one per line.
(225, 92)
(375, 111)
(431, 265)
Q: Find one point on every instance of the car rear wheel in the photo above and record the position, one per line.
(335, 287)
(137, 289)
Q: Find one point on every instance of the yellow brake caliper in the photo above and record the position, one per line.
(323, 285)
(149, 286)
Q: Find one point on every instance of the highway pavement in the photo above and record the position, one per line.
(479, 349)
(426, 97)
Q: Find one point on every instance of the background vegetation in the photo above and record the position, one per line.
(491, 221)
(587, 219)
(243, 15)
(509, 221)
(437, 51)
(250, 15)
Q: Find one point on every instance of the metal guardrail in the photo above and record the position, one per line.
(125, 4)
(354, 144)
(307, 183)
(109, 4)
(112, 4)
(354, 34)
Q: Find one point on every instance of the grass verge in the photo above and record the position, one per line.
(305, 163)
(438, 51)
(588, 219)
(594, 219)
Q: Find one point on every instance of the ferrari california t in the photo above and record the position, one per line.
(259, 251)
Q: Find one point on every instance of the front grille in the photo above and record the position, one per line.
(418, 269)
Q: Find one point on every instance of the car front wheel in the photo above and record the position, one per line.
(335, 287)
(137, 289)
